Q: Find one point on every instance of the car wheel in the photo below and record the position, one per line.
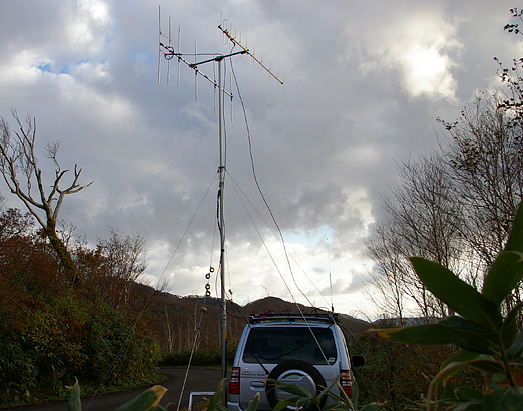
(297, 372)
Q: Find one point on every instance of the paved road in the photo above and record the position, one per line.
(197, 380)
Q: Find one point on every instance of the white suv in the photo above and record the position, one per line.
(307, 350)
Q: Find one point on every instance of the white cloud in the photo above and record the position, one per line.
(364, 84)
(428, 72)
(86, 28)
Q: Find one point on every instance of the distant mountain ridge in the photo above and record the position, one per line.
(175, 319)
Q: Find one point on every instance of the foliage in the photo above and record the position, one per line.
(488, 338)
(215, 402)
(118, 352)
(303, 399)
(397, 375)
(148, 400)
(52, 331)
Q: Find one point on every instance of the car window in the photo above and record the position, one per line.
(273, 345)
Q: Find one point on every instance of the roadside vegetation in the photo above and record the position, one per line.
(53, 330)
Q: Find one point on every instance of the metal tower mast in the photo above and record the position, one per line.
(169, 53)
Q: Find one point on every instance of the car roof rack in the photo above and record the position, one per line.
(305, 318)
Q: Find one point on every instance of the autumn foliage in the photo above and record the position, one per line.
(53, 331)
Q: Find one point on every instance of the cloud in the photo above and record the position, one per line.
(363, 86)
(427, 72)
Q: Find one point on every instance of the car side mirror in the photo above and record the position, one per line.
(358, 360)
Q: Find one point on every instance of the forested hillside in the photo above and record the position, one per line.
(99, 326)
(54, 328)
(175, 320)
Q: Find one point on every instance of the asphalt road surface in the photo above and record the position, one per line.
(197, 380)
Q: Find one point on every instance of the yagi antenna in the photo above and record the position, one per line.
(161, 37)
(166, 48)
(169, 53)
(237, 42)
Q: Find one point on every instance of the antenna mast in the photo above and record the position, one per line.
(169, 53)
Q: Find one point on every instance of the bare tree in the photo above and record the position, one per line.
(485, 156)
(124, 261)
(388, 276)
(455, 207)
(23, 176)
(422, 220)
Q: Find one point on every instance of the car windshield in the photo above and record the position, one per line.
(273, 345)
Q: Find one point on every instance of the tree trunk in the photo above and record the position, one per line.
(66, 260)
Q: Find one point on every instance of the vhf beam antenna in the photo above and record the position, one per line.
(245, 50)
(169, 52)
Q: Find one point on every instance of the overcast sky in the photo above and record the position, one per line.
(364, 84)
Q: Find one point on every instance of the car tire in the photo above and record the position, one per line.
(298, 368)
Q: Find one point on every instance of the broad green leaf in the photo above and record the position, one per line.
(337, 405)
(471, 336)
(475, 347)
(355, 392)
(445, 391)
(345, 398)
(75, 404)
(427, 334)
(284, 404)
(302, 396)
(461, 356)
(508, 399)
(473, 405)
(509, 329)
(464, 324)
(503, 276)
(515, 239)
(467, 393)
(147, 400)
(457, 294)
(327, 389)
(253, 404)
(370, 407)
(514, 351)
(292, 388)
(487, 366)
(440, 334)
(214, 403)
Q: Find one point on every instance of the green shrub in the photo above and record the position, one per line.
(66, 339)
(52, 331)
(18, 370)
(118, 352)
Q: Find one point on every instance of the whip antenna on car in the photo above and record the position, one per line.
(169, 52)
(330, 273)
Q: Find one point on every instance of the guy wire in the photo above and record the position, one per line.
(260, 190)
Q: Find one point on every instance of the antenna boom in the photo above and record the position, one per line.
(246, 50)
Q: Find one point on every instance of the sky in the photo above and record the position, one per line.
(363, 87)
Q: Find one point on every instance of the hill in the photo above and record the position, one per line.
(175, 319)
